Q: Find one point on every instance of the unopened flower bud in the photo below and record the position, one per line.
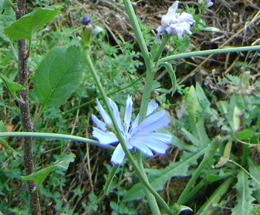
(87, 29)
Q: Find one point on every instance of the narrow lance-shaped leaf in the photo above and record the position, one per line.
(25, 27)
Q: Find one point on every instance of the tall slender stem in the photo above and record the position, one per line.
(145, 97)
(25, 116)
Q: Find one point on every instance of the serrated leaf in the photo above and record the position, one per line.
(254, 170)
(158, 178)
(40, 175)
(64, 162)
(3, 140)
(58, 75)
(26, 26)
(244, 199)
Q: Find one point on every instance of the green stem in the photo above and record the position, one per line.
(55, 136)
(160, 50)
(138, 32)
(144, 102)
(207, 157)
(209, 52)
(85, 53)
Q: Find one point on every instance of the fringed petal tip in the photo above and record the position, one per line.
(103, 137)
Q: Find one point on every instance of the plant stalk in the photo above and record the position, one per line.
(145, 98)
(25, 116)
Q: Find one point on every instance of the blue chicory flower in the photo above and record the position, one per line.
(141, 137)
(173, 23)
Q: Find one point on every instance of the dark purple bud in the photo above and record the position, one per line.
(30, 71)
(24, 187)
(86, 20)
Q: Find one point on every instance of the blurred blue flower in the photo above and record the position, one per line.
(210, 4)
(173, 23)
(141, 137)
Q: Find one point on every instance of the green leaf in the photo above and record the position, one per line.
(210, 205)
(195, 116)
(176, 209)
(236, 108)
(159, 177)
(4, 142)
(236, 119)
(204, 102)
(25, 27)
(11, 86)
(7, 17)
(184, 44)
(254, 170)
(244, 135)
(225, 158)
(110, 178)
(181, 145)
(40, 175)
(58, 75)
(211, 29)
(172, 75)
(193, 138)
(244, 198)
